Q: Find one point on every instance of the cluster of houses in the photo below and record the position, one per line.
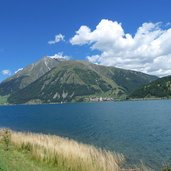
(99, 99)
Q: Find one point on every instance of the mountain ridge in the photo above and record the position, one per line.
(27, 75)
(69, 81)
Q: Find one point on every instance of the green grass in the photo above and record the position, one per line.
(20, 160)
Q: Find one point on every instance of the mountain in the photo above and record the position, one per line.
(161, 88)
(69, 80)
(51, 80)
(27, 75)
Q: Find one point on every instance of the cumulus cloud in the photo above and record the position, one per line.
(60, 55)
(148, 50)
(6, 72)
(20, 69)
(58, 38)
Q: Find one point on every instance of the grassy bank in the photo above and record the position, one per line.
(19, 150)
(38, 152)
(21, 160)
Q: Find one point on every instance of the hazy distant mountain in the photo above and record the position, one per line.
(52, 80)
(27, 75)
(161, 88)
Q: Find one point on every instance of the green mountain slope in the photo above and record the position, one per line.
(68, 81)
(127, 79)
(27, 75)
(77, 80)
(161, 88)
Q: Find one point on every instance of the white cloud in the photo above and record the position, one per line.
(60, 55)
(20, 69)
(149, 50)
(6, 72)
(58, 38)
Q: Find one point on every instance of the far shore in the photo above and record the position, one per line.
(114, 100)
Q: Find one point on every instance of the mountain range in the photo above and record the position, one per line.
(54, 80)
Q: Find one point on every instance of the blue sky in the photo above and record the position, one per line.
(26, 27)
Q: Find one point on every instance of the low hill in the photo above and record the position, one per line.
(161, 88)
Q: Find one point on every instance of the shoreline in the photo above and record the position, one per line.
(115, 100)
(26, 140)
(65, 153)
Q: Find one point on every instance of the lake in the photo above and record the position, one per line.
(141, 130)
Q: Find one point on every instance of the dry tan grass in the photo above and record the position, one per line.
(67, 153)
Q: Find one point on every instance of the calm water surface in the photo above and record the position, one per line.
(141, 130)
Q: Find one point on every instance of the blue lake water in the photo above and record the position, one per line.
(141, 130)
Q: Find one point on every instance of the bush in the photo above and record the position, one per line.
(6, 138)
(166, 168)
